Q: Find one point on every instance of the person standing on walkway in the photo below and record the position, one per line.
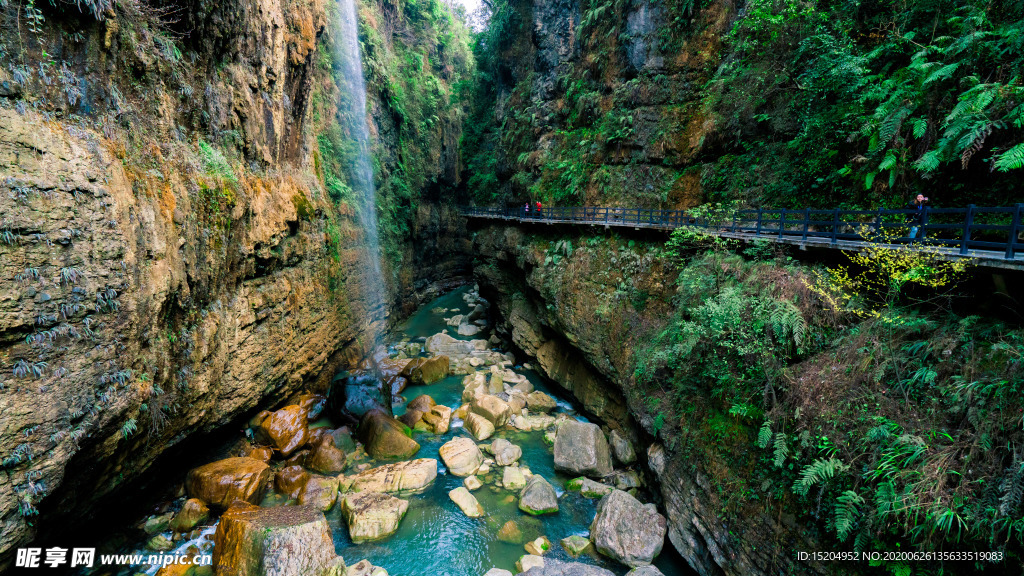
(539, 215)
(526, 211)
(917, 216)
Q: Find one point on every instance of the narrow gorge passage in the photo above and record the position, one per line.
(433, 536)
(511, 287)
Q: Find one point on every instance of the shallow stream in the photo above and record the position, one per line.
(435, 538)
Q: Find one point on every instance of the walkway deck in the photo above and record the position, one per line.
(992, 235)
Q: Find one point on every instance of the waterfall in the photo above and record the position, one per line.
(362, 169)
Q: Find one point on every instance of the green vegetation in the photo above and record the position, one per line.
(901, 431)
(844, 103)
(417, 67)
(829, 103)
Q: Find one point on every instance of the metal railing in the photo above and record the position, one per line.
(988, 232)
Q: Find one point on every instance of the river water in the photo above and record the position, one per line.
(435, 538)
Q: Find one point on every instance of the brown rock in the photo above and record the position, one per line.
(397, 477)
(496, 410)
(427, 370)
(326, 458)
(411, 418)
(284, 541)
(372, 515)
(290, 480)
(221, 483)
(423, 403)
(439, 419)
(480, 427)
(261, 453)
(319, 492)
(192, 513)
(285, 429)
(385, 437)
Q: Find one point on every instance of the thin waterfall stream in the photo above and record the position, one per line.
(353, 105)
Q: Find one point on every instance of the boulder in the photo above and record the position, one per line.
(285, 429)
(496, 410)
(496, 383)
(538, 497)
(325, 457)
(625, 479)
(581, 448)
(423, 371)
(513, 479)
(528, 561)
(372, 515)
(411, 417)
(423, 403)
(442, 343)
(532, 422)
(466, 502)
(553, 567)
(365, 568)
(505, 452)
(319, 492)
(280, 541)
(523, 386)
(360, 394)
(439, 419)
(312, 404)
(540, 402)
(398, 477)
(221, 483)
(290, 480)
(622, 448)
(472, 483)
(627, 530)
(498, 572)
(261, 453)
(157, 524)
(468, 330)
(480, 427)
(474, 385)
(575, 545)
(461, 455)
(516, 401)
(589, 488)
(538, 547)
(510, 532)
(385, 437)
(160, 543)
(191, 514)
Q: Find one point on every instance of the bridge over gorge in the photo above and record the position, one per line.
(992, 235)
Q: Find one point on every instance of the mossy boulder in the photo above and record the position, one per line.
(385, 437)
(538, 497)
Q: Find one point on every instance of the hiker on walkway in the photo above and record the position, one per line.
(526, 211)
(539, 215)
(917, 216)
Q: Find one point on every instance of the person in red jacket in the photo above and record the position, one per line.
(538, 209)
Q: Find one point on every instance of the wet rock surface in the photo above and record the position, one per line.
(462, 456)
(223, 482)
(282, 541)
(581, 448)
(627, 530)
(372, 515)
(386, 437)
(538, 497)
(398, 477)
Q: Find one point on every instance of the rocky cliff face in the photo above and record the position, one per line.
(599, 102)
(560, 303)
(171, 256)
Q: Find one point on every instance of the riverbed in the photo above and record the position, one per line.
(435, 538)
